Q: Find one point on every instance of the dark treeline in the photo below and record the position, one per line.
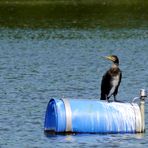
(74, 13)
(110, 2)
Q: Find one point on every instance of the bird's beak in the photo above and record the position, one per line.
(109, 58)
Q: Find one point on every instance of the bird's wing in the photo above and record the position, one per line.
(105, 85)
(120, 77)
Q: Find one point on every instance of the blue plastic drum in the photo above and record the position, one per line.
(92, 116)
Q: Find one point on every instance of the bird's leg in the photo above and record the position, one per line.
(107, 98)
(115, 99)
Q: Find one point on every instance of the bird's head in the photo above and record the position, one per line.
(113, 58)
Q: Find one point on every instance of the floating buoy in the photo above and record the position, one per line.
(94, 116)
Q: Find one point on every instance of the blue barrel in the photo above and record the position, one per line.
(92, 116)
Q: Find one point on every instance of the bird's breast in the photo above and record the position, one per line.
(115, 80)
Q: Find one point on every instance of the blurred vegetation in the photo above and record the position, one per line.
(108, 2)
(73, 13)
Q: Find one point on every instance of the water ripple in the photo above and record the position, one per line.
(39, 64)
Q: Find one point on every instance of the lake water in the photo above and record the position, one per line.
(37, 63)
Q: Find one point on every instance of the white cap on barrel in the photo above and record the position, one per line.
(143, 93)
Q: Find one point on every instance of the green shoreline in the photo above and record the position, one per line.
(76, 2)
(77, 14)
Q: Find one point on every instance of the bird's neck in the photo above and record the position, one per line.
(114, 65)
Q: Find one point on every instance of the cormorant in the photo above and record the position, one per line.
(111, 79)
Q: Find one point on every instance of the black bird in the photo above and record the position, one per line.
(111, 79)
